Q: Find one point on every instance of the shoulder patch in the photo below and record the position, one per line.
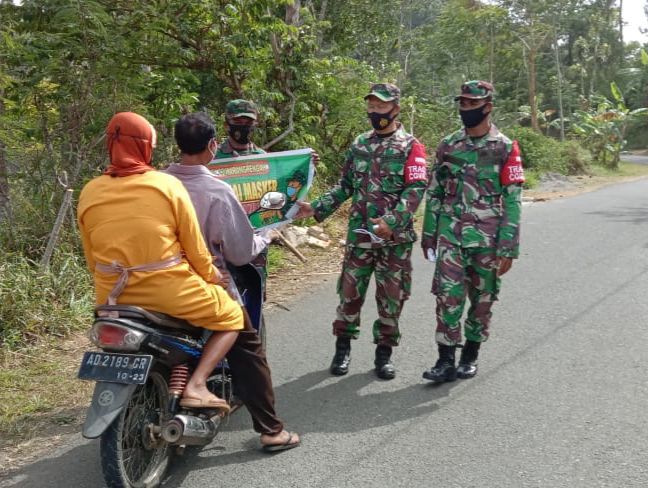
(416, 165)
(512, 171)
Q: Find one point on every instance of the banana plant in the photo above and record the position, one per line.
(604, 127)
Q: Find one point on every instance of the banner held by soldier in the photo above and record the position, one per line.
(251, 177)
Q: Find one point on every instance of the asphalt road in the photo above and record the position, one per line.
(634, 158)
(561, 399)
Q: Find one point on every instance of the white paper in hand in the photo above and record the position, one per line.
(290, 214)
(374, 238)
(431, 256)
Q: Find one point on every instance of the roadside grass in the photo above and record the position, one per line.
(626, 169)
(39, 389)
(276, 259)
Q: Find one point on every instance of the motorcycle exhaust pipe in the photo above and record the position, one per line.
(189, 431)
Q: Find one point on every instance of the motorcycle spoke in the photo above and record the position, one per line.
(136, 456)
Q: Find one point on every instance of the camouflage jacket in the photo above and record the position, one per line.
(384, 177)
(474, 195)
(225, 150)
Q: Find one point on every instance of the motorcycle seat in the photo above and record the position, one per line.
(157, 318)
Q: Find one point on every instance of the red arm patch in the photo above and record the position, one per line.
(512, 172)
(416, 165)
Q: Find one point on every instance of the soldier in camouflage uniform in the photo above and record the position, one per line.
(471, 227)
(241, 119)
(385, 175)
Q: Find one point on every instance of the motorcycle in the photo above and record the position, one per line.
(143, 365)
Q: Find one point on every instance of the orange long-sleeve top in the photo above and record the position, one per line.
(148, 218)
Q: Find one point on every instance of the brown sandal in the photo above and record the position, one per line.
(289, 444)
(213, 404)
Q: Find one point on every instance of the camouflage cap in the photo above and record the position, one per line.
(386, 92)
(241, 108)
(476, 89)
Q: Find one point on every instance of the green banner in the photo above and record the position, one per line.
(251, 177)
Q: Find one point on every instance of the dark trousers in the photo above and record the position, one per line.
(253, 382)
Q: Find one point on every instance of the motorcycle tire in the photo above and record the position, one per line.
(131, 456)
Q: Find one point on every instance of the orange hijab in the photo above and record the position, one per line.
(130, 138)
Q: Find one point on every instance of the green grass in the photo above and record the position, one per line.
(625, 169)
(532, 178)
(35, 304)
(36, 381)
(276, 258)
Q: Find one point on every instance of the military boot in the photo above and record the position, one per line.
(444, 369)
(384, 368)
(342, 358)
(468, 361)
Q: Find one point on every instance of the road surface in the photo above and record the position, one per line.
(561, 399)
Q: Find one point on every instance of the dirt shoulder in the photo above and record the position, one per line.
(554, 186)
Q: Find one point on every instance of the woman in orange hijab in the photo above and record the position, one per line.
(143, 243)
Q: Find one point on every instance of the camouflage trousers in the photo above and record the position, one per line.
(461, 273)
(393, 268)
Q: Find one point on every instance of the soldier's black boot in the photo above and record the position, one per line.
(384, 367)
(342, 358)
(444, 369)
(468, 361)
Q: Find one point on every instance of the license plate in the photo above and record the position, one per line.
(115, 368)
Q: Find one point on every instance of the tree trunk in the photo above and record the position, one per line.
(532, 88)
(322, 13)
(320, 17)
(560, 99)
(491, 56)
(621, 22)
(5, 200)
(292, 13)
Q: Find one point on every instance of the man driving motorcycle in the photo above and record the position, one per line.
(230, 237)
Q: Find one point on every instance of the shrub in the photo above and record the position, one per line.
(545, 154)
(576, 158)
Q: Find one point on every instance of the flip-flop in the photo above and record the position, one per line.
(218, 404)
(289, 444)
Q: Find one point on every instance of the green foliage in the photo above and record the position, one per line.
(66, 66)
(36, 304)
(541, 154)
(276, 258)
(603, 127)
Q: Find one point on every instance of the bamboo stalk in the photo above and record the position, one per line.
(290, 247)
(56, 230)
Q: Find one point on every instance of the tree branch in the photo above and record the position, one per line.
(291, 121)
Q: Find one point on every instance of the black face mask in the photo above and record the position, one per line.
(472, 118)
(380, 121)
(240, 133)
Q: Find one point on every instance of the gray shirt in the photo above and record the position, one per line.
(223, 221)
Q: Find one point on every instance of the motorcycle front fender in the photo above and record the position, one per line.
(108, 400)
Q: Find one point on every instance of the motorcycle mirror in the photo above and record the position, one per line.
(273, 200)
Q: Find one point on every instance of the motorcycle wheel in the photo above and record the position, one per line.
(131, 455)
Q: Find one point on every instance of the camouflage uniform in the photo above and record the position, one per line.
(472, 217)
(243, 108)
(225, 150)
(238, 108)
(384, 177)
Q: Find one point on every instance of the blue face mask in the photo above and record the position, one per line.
(291, 191)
